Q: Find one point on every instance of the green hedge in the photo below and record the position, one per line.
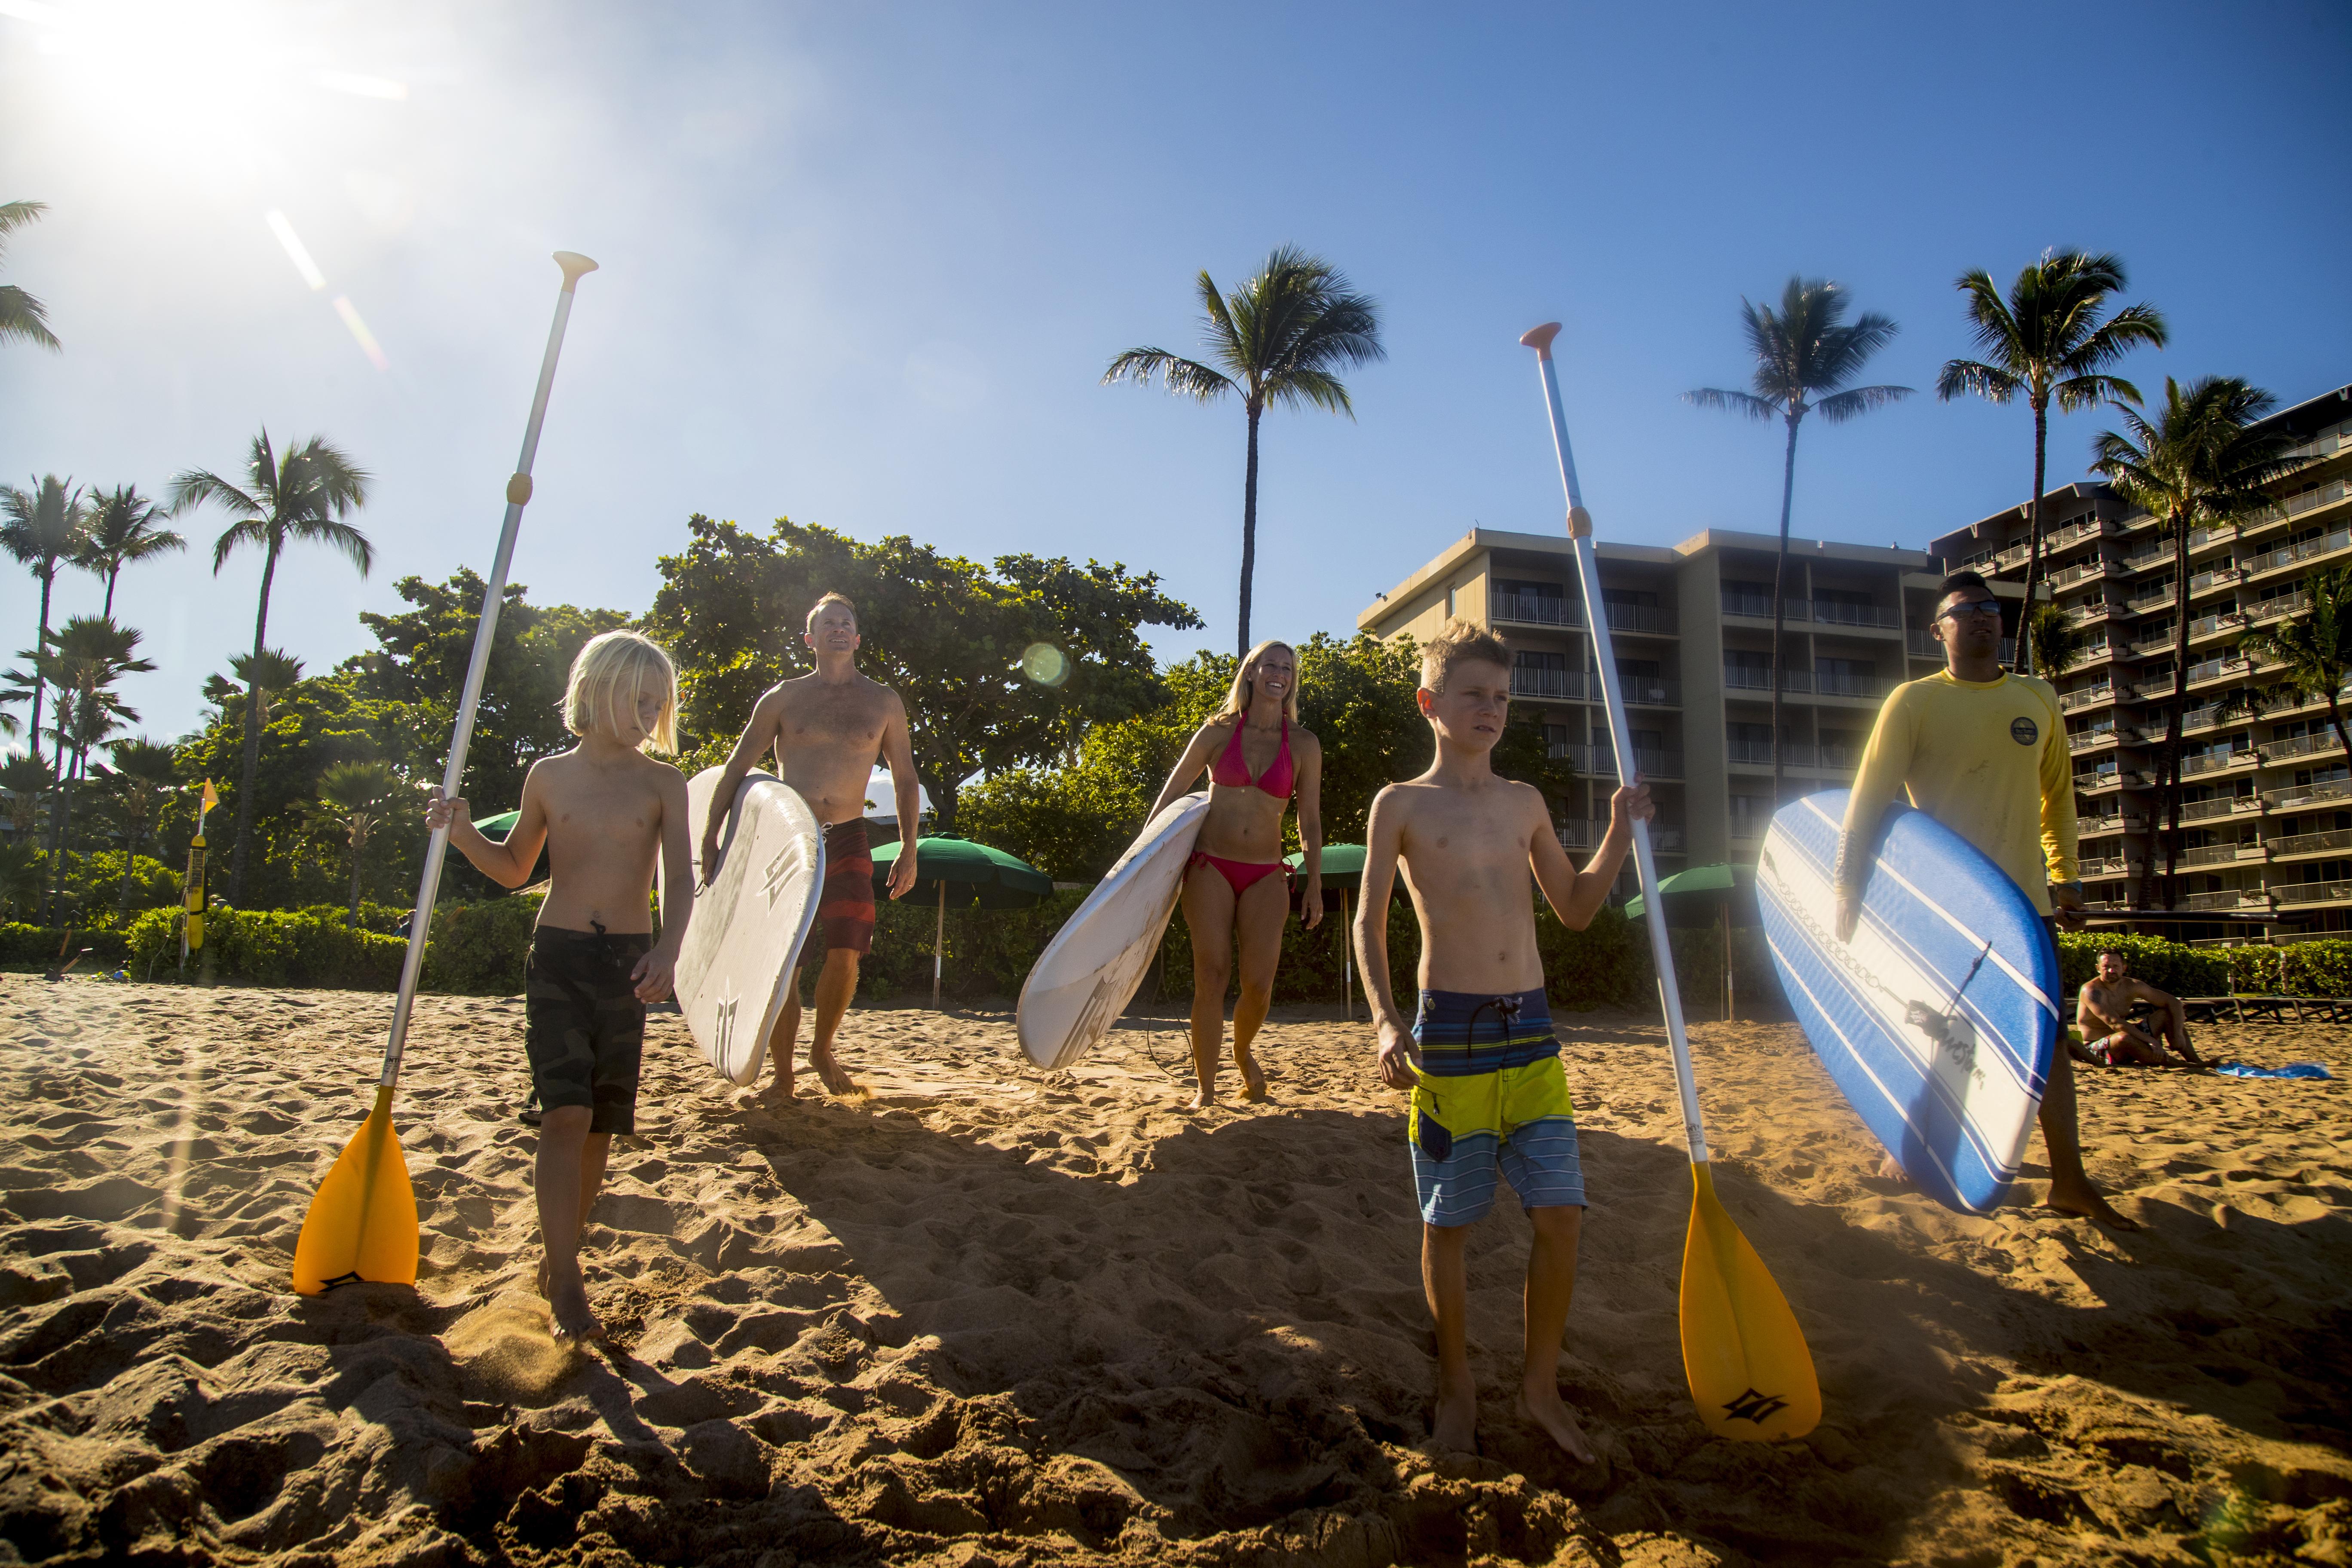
(21, 946)
(477, 949)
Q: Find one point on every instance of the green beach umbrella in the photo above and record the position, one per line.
(968, 875)
(500, 824)
(1343, 872)
(1723, 895)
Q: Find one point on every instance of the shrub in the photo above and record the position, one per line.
(2169, 965)
(475, 948)
(481, 949)
(2321, 968)
(22, 945)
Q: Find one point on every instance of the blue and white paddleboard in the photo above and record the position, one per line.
(1940, 1019)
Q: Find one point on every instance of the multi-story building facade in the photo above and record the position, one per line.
(2267, 796)
(1691, 629)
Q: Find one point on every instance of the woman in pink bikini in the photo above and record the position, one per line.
(1256, 758)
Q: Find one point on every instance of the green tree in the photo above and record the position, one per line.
(421, 662)
(27, 781)
(21, 315)
(2315, 644)
(354, 800)
(89, 654)
(1805, 354)
(948, 634)
(124, 527)
(2051, 341)
(1278, 340)
(144, 775)
(2199, 461)
(2057, 640)
(303, 497)
(42, 530)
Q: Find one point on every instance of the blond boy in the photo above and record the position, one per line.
(604, 811)
(1489, 1100)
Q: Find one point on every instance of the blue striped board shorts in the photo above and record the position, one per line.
(1490, 1102)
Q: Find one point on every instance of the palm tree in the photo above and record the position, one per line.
(124, 527)
(2058, 642)
(304, 496)
(1276, 340)
(26, 779)
(2047, 341)
(143, 774)
(2315, 645)
(89, 656)
(269, 673)
(42, 529)
(21, 315)
(354, 799)
(1806, 350)
(2199, 461)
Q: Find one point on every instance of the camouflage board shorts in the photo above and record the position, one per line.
(583, 1027)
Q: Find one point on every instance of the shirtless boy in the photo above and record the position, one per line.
(2109, 1009)
(602, 810)
(1490, 1099)
(826, 729)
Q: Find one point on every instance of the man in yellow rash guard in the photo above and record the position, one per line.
(1984, 752)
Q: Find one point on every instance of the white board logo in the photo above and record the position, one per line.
(722, 1026)
(778, 869)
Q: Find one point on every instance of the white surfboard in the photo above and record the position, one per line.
(749, 920)
(1089, 972)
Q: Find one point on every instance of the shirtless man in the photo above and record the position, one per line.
(1490, 1099)
(2108, 1008)
(826, 729)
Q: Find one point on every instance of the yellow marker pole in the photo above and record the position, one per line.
(1750, 1374)
(363, 1221)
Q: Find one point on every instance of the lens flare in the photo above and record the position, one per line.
(367, 343)
(296, 251)
(1045, 664)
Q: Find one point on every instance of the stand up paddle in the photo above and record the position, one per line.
(1750, 1373)
(362, 1222)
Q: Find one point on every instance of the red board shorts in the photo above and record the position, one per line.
(844, 904)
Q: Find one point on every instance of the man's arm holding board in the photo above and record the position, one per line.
(767, 719)
(1885, 763)
(899, 751)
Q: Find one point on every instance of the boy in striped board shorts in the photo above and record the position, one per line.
(1489, 1100)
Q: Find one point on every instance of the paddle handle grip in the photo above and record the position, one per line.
(1645, 865)
(486, 633)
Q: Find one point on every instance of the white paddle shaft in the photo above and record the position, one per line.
(428, 887)
(1588, 570)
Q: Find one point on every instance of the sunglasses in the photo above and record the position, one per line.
(1980, 608)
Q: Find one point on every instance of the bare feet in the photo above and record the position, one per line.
(2085, 1201)
(1204, 1097)
(1541, 1404)
(575, 1320)
(1455, 1424)
(1253, 1078)
(830, 1072)
(1891, 1169)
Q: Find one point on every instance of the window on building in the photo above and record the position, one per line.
(1641, 598)
(1856, 598)
(1536, 658)
(1527, 588)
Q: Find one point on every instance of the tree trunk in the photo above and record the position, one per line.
(252, 736)
(352, 914)
(111, 572)
(57, 860)
(2168, 773)
(2023, 662)
(1779, 586)
(1249, 530)
(40, 647)
(129, 858)
(2336, 717)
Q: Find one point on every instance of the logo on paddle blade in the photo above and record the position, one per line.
(1754, 1406)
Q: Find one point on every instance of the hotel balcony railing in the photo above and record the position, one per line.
(2214, 626)
(2220, 806)
(2229, 899)
(1758, 606)
(1640, 618)
(2222, 854)
(2151, 642)
(2290, 893)
(2287, 556)
(2148, 558)
(2059, 539)
(2319, 745)
(1559, 685)
(2203, 718)
(2087, 697)
(1538, 609)
(2160, 595)
(2217, 670)
(1836, 614)
(2152, 690)
(2220, 577)
(1747, 678)
(2089, 612)
(2111, 866)
(2215, 761)
(2080, 572)
(2112, 822)
(1796, 754)
(1601, 761)
(1848, 685)
(2327, 443)
(2085, 740)
(2312, 843)
(2314, 793)
(2199, 538)
(1577, 833)
(2273, 609)
(2296, 505)
(1651, 690)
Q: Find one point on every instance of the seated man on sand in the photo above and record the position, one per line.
(2113, 1012)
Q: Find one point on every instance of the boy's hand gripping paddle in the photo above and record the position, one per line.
(1750, 1373)
(362, 1222)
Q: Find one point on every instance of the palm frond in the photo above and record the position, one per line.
(197, 487)
(1840, 407)
(1318, 387)
(2080, 392)
(1961, 377)
(14, 215)
(1185, 377)
(253, 530)
(341, 537)
(1745, 402)
(23, 316)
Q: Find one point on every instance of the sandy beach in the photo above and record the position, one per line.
(990, 1315)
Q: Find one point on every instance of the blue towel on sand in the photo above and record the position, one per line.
(2296, 1069)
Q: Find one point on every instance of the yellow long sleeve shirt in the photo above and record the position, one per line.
(1988, 760)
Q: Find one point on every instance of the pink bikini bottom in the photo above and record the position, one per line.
(1238, 874)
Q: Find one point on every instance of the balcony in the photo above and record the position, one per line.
(2322, 744)
(2323, 495)
(2089, 613)
(2222, 854)
(1554, 684)
(2149, 598)
(2101, 780)
(2087, 696)
(1537, 610)
(2151, 643)
(2214, 669)
(1867, 685)
(2301, 846)
(2219, 807)
(2112, 822)
(2217, 761)
(2201, 538)
(2291, 894)
(1601, 761)
(2091, 740)
(2229, 899)
(2326, 444)
(1874, 616)
(1650, 618)
(2332, 543)
(2214, 626)
(2206, 581)
(2080, 572)
(2110, 866)
(1758, 606)
(2150, 558)
(2059, 539)
(2152, 690)
(2321, 792)
(2285, 605)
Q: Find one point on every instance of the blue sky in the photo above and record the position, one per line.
(864, 265)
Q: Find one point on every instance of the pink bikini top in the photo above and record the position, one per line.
(1231, 768)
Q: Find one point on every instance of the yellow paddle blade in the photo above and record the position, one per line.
(1750, 1373)
(362, 1224)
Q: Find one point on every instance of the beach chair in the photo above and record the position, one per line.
(2209, 1009)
